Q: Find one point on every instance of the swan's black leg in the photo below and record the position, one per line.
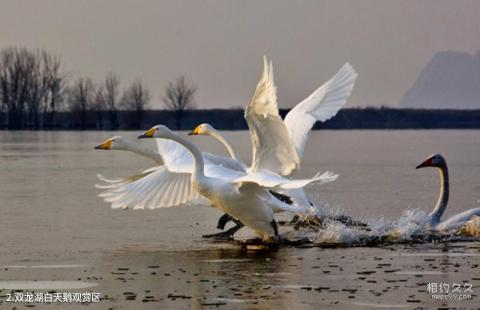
(275, 227)
(277, 239)
(223, 220)
(228, 234)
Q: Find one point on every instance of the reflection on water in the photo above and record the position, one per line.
(284, 278)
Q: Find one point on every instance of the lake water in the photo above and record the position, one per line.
(57, 231)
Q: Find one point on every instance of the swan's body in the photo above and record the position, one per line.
(455, 222)
(246, 198)
(300, 202)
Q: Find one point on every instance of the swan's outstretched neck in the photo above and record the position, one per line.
(215, 134)
(197, 156)
(442, 202)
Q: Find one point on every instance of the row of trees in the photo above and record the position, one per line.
(85, 95)
(34, 87)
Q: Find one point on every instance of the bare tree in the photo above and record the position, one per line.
(15, 80)
(81, 98)
(179, 96)
(55, 83)
(112, 91)
(99, 106)
(136, 98)
(28, 80)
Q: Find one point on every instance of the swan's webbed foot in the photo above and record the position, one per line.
(228, 234)
(224, 235)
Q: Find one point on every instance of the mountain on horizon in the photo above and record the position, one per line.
(451, 80)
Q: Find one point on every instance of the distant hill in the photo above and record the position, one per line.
(450, 80)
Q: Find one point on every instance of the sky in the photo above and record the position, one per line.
(219, 45)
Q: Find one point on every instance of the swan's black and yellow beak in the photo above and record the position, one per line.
(426, 163)
(148, 134)
(195, 132)
(104, 146)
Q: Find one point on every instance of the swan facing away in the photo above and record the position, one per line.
(454, 223)
(245, 197)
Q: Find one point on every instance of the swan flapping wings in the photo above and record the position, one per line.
(272, 149)
(166, 185)
(278, 145)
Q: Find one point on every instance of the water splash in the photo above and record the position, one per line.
(329, 230)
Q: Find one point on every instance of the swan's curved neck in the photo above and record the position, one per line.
(140, 150)
(215, 134)
(196, 154)
(442, 202)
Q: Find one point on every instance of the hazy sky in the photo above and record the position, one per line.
(219, 44)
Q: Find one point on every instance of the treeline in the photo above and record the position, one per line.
(232, 119)
(35, 89)
(36, 92)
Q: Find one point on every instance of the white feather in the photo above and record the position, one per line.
(323, 104)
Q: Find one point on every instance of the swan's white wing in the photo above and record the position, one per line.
(268, 179)
(321, 105)
(176, 157)
(272, 149)
(158, 189)
(226, 162)
(220, 172)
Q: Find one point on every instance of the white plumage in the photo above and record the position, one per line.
(244, 197)
(279, 145)
(170, 185)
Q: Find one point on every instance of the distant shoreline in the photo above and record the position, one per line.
(232, 119)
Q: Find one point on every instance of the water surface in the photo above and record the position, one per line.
(51, 216)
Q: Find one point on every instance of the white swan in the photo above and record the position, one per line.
(278, 145)
(115, 188)
(246, 197)
(455, 222)
(299, 198)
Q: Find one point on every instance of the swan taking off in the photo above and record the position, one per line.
(245, 197)
(278, 145)
(455, 222)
